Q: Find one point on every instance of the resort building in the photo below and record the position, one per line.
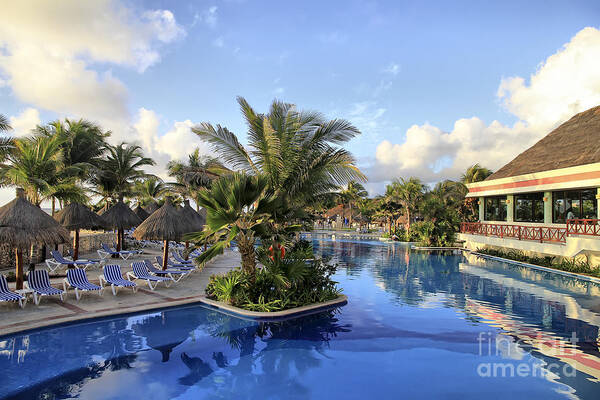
(546, 200)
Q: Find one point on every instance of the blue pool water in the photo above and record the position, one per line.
(417, 325)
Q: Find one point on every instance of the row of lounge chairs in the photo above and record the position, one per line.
(38, 281)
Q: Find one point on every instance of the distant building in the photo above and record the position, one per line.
(547, 199)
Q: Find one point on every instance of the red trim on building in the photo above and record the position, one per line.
(540, 181)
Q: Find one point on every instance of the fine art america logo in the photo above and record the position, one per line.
(518, 361)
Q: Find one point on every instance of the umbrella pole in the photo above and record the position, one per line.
(19, 271)
(76, 245)
(119, 235)
(165, 254)
(187, 245)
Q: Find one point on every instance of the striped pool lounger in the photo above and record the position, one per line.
(7, 295)
(139, 271)
(114, 277)
(77, 279)
(39, 282)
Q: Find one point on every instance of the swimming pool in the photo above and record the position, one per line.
(417, 325)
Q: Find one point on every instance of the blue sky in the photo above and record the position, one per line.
(384, 65)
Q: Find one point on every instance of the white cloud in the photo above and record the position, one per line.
(50, 50)
(566, 83)
(23, 123)
(219, 42)
(393, 69)
(208, 17)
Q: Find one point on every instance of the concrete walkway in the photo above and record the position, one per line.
(52, 311)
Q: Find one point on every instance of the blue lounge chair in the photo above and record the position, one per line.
(175, 274)
(39, 282)
(180, 259)
(7, 295)
(92, 260)
(77, 279)
(113, 276)
(106, 252)
(159, 261)
(58, 260)
(139, 271)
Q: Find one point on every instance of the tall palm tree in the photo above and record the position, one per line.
(119, 169)
(407, 193)
(149, 190)
(475, 173)
(6, 143)
(36, 165)
(354, 192)
(297, 151)
(198, 172)
(238, 208)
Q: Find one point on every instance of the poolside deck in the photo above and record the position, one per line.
(52, 311)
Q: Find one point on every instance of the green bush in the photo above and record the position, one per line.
(569, 265)
(282, 283)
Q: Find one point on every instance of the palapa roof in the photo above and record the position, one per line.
(140, 212)
(341, 211)
(195, 220)
(167, 223)
(119, 216)
(575, 142)
(23, 224)
(77, 216)
(152, 207)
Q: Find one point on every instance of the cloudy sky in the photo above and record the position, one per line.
(434, 87)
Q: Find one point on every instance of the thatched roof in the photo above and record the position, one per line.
(120, 216)
(575, 142)
(152, 207)
(77, 216)
(141, 213)
(167, 223)
(23, 224)
(341, 211)
(195, 220)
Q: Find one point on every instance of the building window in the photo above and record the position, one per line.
(495, 208)
(529, 207)
(574, 204)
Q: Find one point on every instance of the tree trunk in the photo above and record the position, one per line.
(187, 245)
(407, 219)
(19, 268)
(76, 245)
(53, 205)
(165, 254)
(246, 247)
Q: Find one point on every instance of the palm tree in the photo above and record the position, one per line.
(297, 151)
(149, 190)
(475, 173)
(198, 172)
(238, 208)
(354, 192)
(407, 193)
(119, 169)
(36, 165)
(6, 143)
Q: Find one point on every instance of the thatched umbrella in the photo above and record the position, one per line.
(152, 207)
(23, 224)
(76, 216)
(120, 217)
(195, 220)
(140, 212)
(166, 224)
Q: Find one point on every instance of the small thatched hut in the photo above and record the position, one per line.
(166, 224)
(120, 217)
(141, 213)
(23, 224)
(76, 216)
(195, 219)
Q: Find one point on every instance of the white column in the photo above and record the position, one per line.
(598, 203)
(510, 208)
(481, 209)
(548, 208)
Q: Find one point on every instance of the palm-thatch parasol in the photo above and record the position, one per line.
(152, 207)
(120, 217)
(23, 224)
(167, 223)
(141, 213)
(195, 220)
(76, 216)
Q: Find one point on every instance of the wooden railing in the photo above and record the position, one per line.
(520, 232)
(588, 227)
